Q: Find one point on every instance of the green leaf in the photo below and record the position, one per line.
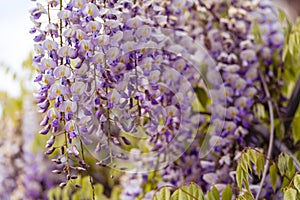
(260, 163)
(163, 194)
(215, 193)
(282, 163)
(282, 16)
(190, 192)
(285, 52)
(245, 196)
(244, 163)
(273, 175)
(239, 176)
(194, 190)
(256, 32)
(227, 193)
(279, 129)
(252, 155)
(210, 196)
(246, 180)
(202, 96)
(247, 161)
(296, 129)
(290, 194)
(54, 193)
(290, 167)
(297, 182)
(70, 192)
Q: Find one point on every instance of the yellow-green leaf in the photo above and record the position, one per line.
(296, 129)
(227, 193)
(163, 194)
(297, 182)
(290, 194)
(245, 196)
(188, 192)
(260, 162)
(282, 163)
(239, 176)
(273, 175)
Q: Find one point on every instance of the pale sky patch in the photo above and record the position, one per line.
(15, 40)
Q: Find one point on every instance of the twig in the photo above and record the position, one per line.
(291, 109)
(263, 131)
(265, 87)
(90, 177)
(292, 180)
(61, 30)
(93, 188)
(209, 10)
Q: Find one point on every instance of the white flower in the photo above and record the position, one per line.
(210, 178)
(154, 76)
(50, 45)
(102, 40)
(66, 51)
(68, 106)
(99, 58)
(64, 14)
(62, 71)
(143, 32)
(134, 22)
(112, 53)
(79, 3)
(93, 26)
(91, 9)
(78, 88)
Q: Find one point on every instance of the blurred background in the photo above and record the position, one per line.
(15, 42)
(23, 167)
(21, 153)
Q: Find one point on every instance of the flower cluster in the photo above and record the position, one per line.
(271, 47)
(238, 56)
(112, 73)
(108, 72)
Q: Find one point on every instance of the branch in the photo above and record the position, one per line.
(263, 131)
(270, 148)
(291, 109)
(292, 105)
(209, 10)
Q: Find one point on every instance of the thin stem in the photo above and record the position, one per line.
(93, 188)
(271, 141)
(67, 154)
(292, 180)
(82, 151)
(155, 171)
(136, 85)
(60, 29)
(109, 135)
(49, 17)
(212, 13)
(61, 60)
(108, 119)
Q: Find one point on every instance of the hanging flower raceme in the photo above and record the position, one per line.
(238, 53)
(108, 72)
(117, 74)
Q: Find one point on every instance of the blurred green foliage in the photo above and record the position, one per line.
(82, 189)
